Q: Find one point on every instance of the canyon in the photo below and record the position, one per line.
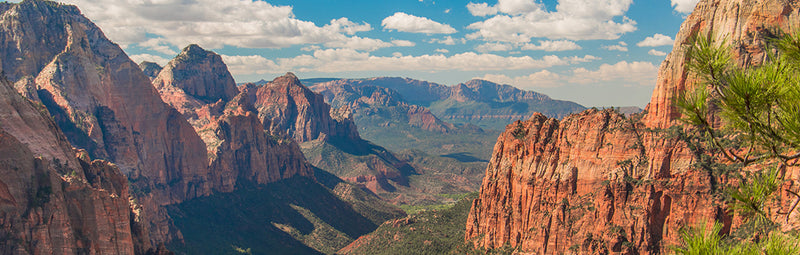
(156, 158)
(99, 155)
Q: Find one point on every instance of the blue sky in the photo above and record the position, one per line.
(594, 52)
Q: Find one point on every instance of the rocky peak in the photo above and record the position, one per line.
(151, 69)
(288, 80)
(192, 51)
(288, 107)
(21, 55)
(199, 74)
(366, 100)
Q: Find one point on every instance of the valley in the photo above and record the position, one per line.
(100, 154)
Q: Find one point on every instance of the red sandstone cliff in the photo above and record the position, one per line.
(286, 106)
(199, 85)
(598, 182)
(197, 74)
(743, 22)
(557, 185)
(52, 202)
(101, 99)
(104, 104)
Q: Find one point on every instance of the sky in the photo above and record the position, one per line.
(594, 52)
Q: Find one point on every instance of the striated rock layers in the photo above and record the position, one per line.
(552, 186)
(286, 106)
(105, 104)
(242, 151)
(101, 100)
(599, 182)
(746, 24)
(52, 201)
(199, 85)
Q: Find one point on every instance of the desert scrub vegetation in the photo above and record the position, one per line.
(426, 232)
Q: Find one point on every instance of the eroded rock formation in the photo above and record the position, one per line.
(286, 106)
(106, 105)
(54, 200)
(199, 85)
(599, 182)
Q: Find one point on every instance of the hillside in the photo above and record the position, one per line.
(293, 216)
(428, 232)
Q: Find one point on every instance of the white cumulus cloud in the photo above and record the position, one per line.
(656, 53)
(211, 23)
(655, 41)
(481, 9)
(359, 43)
(520, 20)
(148, 57)
(349, 60)
(489, 47)
(403, 22)
(158, 45)
(447, 40)
(684, 6)
(403, 43)
(626, 73)
(253, 64)
(344, 25)
(560, 45)
(541, 79)
(617, 47)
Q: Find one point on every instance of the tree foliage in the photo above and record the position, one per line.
(758, 105)
(750, 116)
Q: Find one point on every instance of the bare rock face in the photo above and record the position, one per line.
(286, 106)
(552, 186)
(199, 85)
(200, 74)
(598, 182)
(743, 22)
(105, 104)
(150, 69)
(245, 152)
(101, 99)
(52, 202)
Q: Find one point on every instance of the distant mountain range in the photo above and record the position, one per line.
(482, 103)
